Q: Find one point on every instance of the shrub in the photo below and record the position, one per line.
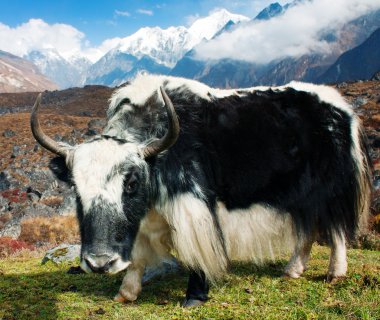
(54, 230)
(9, 246)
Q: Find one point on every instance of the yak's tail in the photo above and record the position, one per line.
(363, 176)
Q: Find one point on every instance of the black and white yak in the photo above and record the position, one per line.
(216, 176)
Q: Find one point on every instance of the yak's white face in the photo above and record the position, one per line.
(110, 177)
(99, 168)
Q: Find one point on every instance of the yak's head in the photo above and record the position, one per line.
(112, 182)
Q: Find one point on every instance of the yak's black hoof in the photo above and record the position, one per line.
(189, 303)
(75, 270)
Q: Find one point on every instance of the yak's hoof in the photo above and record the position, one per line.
(75, 270)
(334, 279)
(124, 298)
(288, 275)
(189, 303)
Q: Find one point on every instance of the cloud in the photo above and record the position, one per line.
(146, 12)
(191, 19)
(36, 34)
(295, 33)
(122, 13)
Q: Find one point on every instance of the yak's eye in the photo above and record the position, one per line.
(132, 183)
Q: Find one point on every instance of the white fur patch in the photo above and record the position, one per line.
(93, 162)
(194, 235)
(338, 258)
(256, 234)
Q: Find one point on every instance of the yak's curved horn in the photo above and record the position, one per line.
(40, 136)
(171, 135)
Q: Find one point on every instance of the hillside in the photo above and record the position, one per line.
(359, 63)
(20, 75)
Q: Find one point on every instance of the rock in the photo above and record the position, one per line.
(8, 133)
(376, 76)
(3, 204)
(91, 132)
(4, 181)
(62, 253)
(359, 101)
(96, 123)
(16, 151)
(68, 205)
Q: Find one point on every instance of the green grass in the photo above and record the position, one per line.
(29, 290)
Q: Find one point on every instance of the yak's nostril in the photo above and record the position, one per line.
(99, 263)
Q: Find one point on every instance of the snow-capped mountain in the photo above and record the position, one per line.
(156, 50)
(167, 46)
(65, 72)
(206, 28)
(20, 75)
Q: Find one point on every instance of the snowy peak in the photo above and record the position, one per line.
(207, 27)
(65, 72)
(167, 46)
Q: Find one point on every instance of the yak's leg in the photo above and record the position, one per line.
(151, 247)
(197, 290)
(131, 286)
(338, 257)
(298, 262)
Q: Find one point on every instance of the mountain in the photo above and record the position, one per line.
(117, 67)
(65, 72)
(273, 10)
(20, 75)
(362, 62)
(308, 67)
(156, 50)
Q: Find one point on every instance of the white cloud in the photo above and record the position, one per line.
(146, 12)
(295, 33)
(38, 35)
(122, 13)
(95, 53)
(191, 19)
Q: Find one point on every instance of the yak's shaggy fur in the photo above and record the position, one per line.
(253, 170)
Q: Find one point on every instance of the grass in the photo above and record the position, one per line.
(29, 290)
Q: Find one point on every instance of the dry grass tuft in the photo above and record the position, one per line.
(53, 230)
(9, 246)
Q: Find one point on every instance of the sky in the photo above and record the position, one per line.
(93, 28)
(101, 20)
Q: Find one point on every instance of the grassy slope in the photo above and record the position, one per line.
(31, 291)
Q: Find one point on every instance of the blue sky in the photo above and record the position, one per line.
(90, 29)
(100, 20)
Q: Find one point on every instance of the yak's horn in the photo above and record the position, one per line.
(40, 136)
(171, 135)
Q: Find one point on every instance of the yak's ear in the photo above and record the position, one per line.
(59, 168)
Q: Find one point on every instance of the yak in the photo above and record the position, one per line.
(214, 176)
